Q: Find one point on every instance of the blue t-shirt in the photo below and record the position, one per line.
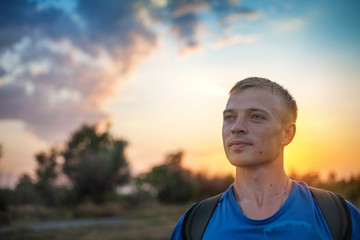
(299, 218)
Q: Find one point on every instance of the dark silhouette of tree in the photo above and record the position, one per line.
(25, 191)
(47, 171)
(208, 186)
(171, 182)
(95, 163)
(352, 189)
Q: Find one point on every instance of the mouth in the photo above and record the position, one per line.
(239, 144)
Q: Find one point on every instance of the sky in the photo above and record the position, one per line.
(159, 72)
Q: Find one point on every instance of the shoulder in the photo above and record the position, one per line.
(354, 212)
(301, 193)
(176, 234)
(355, 220)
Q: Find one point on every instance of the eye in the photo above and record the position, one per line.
(257, 117)
(228, 117)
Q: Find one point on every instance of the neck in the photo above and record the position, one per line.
(259, 178)
(260, 190)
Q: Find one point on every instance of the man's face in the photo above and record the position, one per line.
(253, 132)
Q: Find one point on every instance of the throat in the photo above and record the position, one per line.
(262, 204)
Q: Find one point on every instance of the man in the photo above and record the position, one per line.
(263, 202)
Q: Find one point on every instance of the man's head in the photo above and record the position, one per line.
(263, 83)
(259, 121)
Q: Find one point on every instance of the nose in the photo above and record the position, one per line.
(239, 126)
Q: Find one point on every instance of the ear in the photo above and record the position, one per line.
(288, 133)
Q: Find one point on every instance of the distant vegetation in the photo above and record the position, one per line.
(92, 167)
(348, 188)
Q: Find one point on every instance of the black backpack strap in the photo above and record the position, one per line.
(197, 218)
(335, 211)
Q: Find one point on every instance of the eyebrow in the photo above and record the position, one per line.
(228, 111)
(258, 110)
(248, 110)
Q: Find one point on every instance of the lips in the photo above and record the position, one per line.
(239, 144)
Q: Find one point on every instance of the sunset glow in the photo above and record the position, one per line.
(160, 72)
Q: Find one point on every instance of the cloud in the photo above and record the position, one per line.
(226, 41)
(44, 92)
(186, 22)
(61, 61)
(288, 25)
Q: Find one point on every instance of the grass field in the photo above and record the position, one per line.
(153, 221)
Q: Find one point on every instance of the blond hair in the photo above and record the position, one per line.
(275, 88)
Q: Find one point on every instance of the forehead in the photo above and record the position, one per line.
(255, 98)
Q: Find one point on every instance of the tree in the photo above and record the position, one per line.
(95, 163)
(25, 191)
(172, 183)
(47, 172)
(208, 186)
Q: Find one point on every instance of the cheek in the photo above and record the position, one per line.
(268, 141)
(225, 132)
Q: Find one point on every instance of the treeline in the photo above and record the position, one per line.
(92, 167)
(348, 188)
(170, 182)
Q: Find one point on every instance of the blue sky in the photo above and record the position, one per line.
(159, 71)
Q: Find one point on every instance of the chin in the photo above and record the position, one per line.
(236, 162)
(244, 160)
